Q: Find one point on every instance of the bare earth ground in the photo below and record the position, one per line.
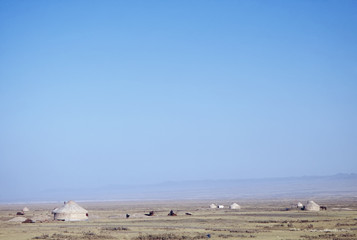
(258, 219)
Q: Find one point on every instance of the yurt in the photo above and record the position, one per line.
(299, 205)
(213, 205)
(234, 206)
(54, 210)
(312, 206)
(25, 209)
(70, 211)
(220, 206)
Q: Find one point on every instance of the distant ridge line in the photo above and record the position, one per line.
(338, 185)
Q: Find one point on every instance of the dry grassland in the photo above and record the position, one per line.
(256, 220)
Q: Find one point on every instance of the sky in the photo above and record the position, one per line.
(96, 93)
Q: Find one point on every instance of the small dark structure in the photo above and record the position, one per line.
(28, 220)
(151, 213)
(323, 208)
(171, 213)
(127, 215)
(20, 213)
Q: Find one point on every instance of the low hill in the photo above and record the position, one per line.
(340, 185)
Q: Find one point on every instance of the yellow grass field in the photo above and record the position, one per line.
(258, 219)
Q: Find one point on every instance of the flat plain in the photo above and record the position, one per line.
(257, 219)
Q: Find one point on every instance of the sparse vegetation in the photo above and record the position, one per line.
(43, 236)
(333, 236)
(169, 236)
(85, 236)
(92, 235)
(115, 229)
(256, 220)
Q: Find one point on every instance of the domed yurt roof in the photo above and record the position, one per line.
(234, 206)
(312, 206)
(70, 207)
(25, 209)
(71, 211)
(213, 205)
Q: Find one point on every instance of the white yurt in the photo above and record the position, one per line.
(25, 209)
(299, 205)
(312, 206)
(220, 206)
(70, 211)
(213, 205)
(234, 206)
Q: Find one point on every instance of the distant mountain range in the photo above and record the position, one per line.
(340, 185)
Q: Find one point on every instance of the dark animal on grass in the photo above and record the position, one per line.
(171, 213)
(20, 213)
(127, 215)
(323, 208)
(151, 213)
(188, 213)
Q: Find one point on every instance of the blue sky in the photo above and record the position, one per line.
(94, 93)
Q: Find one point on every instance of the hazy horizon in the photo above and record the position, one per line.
(94, 93)
(306, 187)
